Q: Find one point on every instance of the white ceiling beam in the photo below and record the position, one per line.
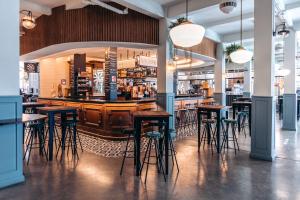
(177, 10)
(75, 4)
(230, 20)
(291, 6)
(297, 26)
(147, 7)
(227, 38)
(210, 34)
(37, 9)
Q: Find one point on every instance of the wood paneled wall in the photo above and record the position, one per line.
(207, 47)
(92, 23)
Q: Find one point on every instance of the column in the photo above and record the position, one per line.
(247, 79)
(165, 73)
(263, 107)
(289, 97)
(219, 93)
(111, 72)
(11, 159)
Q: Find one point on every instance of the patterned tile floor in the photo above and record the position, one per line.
(114, 149)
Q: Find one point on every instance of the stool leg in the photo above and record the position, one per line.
(174, 154)
(235, 139)
(148, 159)
(145, 156)
(124, 155)
(159, 159)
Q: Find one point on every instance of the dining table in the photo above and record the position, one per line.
(141, 116)
(238, 106)
(32, 106)
(208, 110)
(51, 111)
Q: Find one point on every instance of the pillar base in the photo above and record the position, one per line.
(263, 128)
(220, 98)
(11, 139)
(289, 112)
(166, 101)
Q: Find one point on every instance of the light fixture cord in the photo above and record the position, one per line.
(241, 23)
(186, 9)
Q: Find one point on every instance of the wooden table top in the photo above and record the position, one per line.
(25, 104)
(242, 102)
(151, 114)
(57, 108)
(212, 107)
(32, 117)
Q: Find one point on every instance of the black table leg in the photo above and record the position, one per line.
(137, 125)
(199, 128)
(249, 119)
(233, 111)
(51, 130)
(208, 129)
(75, 132)
(167, 146)
(63, 131)
(218, 130)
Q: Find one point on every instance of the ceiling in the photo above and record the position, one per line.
(48, 3)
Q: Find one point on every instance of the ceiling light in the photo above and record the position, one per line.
(227, 6)
(241, 55)
(281, 72)
(186, 34)
(28, 21)
(281, 30)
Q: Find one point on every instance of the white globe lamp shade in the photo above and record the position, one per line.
(241, 56)
(283, 72)
(187, 34)
(28, 22)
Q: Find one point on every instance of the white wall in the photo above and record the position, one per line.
(9, 53)
(51, 73)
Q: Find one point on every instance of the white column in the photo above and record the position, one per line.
(290, 49)
(247, 79)
(165, 73)
(219, 93)
(263, 106)
(11, 162)
(289, 97)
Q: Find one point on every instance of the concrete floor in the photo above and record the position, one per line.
(201, 176)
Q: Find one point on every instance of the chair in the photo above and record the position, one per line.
(130, 135)
(35, 139)
(227, 138)
(153, 136)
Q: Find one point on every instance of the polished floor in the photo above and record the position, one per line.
(202, 176)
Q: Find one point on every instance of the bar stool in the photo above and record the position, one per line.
(172, 152)
(205, 137)
(153, 137)
(242, 118)
(70, 141)
(233, 138)
(130, 135)
(35, 132)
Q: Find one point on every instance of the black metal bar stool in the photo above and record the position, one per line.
(172, 151)
(35, 139)
(130, 136)
(242, 120)
(233, 138)
(208, 134)
(154, 137)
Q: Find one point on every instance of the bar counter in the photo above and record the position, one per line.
(192, 100)
(102, 118)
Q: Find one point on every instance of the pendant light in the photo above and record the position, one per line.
(186, 34)
(27, 20)
(241, 55)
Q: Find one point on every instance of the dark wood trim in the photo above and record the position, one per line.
(91, 23)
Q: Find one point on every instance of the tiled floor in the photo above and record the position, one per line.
(202, 176)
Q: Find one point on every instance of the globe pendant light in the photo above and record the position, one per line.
(241, 55)
(28, 21)
(187, 34)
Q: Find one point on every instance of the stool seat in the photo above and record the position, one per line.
(153, 134)
(172, 134)
(230, 121)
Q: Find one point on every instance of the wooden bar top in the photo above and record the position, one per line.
(56, 108)
(151, 114)
(32, 117)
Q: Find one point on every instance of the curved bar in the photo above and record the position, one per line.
(103, 118)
